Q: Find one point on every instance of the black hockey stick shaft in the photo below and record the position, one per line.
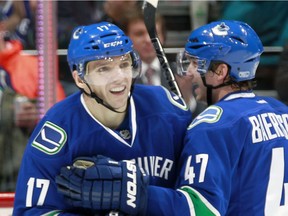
(149, 11)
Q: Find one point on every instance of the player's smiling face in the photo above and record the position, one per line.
(111, 80)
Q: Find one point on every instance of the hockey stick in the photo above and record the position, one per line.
(149, 11)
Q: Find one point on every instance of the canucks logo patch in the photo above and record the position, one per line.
(210, 115)
(125, 134)
(50, 139)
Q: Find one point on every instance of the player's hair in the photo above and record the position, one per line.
(243, 85)
(99, 41)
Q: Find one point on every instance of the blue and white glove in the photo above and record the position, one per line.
(101, 183)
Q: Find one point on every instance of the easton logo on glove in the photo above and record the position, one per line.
(100, 183)
(131, 185)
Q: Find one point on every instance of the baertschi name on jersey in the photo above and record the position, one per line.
(155, 166)
(268, 126)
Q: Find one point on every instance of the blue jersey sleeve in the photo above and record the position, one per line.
(36, 180)
(192, 197)
(46, 152)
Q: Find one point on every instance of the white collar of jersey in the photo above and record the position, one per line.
(113, 133)
(236, 95)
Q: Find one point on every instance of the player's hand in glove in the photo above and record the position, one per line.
(101, 183)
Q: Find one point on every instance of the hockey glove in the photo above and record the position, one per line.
(101, 183)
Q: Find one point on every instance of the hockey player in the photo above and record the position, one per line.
(239, 165)
(235, 156)
(107, 117)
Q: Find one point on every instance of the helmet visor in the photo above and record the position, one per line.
(182, 63)
(186, 61)
(99, 72)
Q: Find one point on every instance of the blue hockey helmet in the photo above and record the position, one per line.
(99, 41)
(228, 41)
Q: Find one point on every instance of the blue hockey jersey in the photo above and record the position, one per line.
(153, 137)
(234, 161)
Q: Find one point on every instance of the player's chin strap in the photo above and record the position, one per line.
(210, 87)
(100, 101)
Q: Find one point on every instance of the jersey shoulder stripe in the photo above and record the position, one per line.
(210, 115)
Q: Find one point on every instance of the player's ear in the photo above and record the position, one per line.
(79, 82)
(222, 71)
